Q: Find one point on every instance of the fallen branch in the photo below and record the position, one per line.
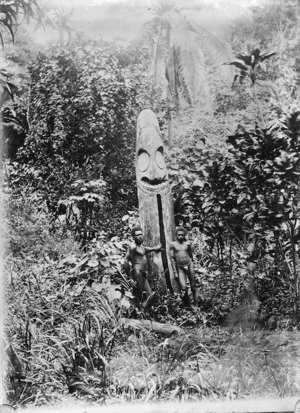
(166, 329)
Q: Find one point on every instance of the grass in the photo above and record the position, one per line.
(68, 341)
(255, 365)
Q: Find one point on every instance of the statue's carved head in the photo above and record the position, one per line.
(151, 169)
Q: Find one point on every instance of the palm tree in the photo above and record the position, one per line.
(180, 48)
(13, 12)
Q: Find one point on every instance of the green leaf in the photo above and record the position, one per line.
(97, 287)
(125, 303)
(197, 183)
(241, 197)
(237, 64)
(93, 263)
(113, 293)
(105, 262)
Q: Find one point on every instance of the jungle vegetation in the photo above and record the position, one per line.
(68, 130)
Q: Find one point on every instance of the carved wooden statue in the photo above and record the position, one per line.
(155, 199)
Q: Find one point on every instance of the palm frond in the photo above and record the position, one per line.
(265, 56)
(180, 48)
(245, 58)
(237, 64)
(13, 13)
(194, 75)
(192, 71)
(216, 50)
(149, 30)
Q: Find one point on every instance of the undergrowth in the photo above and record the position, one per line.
(65, 335)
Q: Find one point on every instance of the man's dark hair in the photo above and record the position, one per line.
(182, 229)
(134, 229)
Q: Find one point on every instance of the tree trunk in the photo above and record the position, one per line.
(295, 276)
(170, 127)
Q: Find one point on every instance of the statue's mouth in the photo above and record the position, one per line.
(154, 182)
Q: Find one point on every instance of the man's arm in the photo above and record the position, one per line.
(156, 249)
(173, 259)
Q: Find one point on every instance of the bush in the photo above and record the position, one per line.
(245, 203)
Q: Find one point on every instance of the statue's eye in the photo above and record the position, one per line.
(143, 161)
(159, 159)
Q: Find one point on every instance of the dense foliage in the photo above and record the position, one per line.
(83, 102)
(70, 195)
(246, 206)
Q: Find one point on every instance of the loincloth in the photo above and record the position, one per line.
(141, 273)
(184, 267)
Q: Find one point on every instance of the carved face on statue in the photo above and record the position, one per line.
(155, 197)
(151, 169)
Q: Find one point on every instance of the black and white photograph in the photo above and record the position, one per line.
(150, 206)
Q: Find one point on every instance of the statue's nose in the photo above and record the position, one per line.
(154, 172)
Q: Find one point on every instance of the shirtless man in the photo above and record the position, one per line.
(137, 256)
(182, 262)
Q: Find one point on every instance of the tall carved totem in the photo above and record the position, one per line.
(155, 199)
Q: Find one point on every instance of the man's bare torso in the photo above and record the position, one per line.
(138, 256)
(181, 252)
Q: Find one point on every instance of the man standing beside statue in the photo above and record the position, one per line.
(182, 263)
(137, 257)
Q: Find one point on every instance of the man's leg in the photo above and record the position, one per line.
(182, 278)
(192, 278)
(147, 287)
(150, 295)
(139, 283)
(182, 283)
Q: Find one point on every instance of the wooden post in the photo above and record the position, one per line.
(155, 199)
